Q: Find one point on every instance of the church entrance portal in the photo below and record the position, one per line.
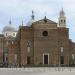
(28, 60)
(45, 59)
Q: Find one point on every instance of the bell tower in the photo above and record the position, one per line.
(62, 19)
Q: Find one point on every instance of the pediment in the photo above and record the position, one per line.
(45, 20)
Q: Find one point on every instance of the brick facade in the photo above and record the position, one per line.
(42, 43)
(32, 38)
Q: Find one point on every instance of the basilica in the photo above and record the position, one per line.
(38, 43)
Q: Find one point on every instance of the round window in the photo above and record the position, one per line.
(45, 33)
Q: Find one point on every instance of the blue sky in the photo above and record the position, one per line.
(19, 10)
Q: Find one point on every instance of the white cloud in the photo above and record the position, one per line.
(21, 9)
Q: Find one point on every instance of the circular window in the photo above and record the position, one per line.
(45, 33)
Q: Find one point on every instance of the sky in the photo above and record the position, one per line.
(20, 10)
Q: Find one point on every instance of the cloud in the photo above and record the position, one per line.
(21, 9)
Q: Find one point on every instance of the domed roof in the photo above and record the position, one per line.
(29, 23)
(9, 27)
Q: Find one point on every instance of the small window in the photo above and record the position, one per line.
(7, 43)
(28, 49)
(72, 56)
(13, 34)
(64, 21)
(45, 33)
(28, 46)
(12, 42)
(6, 58)
(6, 34)
(61, 49)
(15, 59)
(61, 21)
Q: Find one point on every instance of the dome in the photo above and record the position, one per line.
(9, 27)
(29, 23)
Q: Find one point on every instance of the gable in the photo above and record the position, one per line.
(44, 24)
(45, 20)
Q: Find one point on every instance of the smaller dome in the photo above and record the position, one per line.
(29, 23)
(9, 27)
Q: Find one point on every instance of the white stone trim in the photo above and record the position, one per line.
(43, 57)
(28, 49)
(73, 56)
(62, 49)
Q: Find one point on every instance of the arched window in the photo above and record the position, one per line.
(15, 59)
(6, 34)
(6, 58)
(28, 47)
(61, 21)
(13, 34)
(64, 21)
(61, 49)
(73, 56)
